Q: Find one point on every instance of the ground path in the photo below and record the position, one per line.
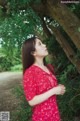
(8, 80)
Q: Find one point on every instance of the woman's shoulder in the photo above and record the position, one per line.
(30, 71)
(29, 74)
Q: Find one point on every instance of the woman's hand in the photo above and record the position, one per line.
(60, 89)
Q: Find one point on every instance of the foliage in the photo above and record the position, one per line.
(60, 61)
(16, 68)
(5, 64)
(75, 8)
(23, 111)
(19, 26)
(69, 103)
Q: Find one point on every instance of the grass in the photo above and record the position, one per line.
(23, 111)
(16, 68)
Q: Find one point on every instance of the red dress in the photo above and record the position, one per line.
(35, 82)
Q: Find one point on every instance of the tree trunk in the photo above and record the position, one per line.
(69, 22)
(66, 47)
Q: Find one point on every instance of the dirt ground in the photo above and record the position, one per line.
(8, 80)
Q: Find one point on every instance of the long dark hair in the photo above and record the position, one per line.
(27, 48)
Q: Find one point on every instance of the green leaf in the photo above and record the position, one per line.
(78, 29)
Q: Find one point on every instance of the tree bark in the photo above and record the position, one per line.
(45, 29)
(66, 19)
(66, 47)
(63, 43)
(59, 12)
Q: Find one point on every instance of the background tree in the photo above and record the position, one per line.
(53, 10)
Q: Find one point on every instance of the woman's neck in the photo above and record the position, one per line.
(39, 62)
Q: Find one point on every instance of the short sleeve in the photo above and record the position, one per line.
(29, 85)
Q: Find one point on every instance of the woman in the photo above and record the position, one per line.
(40, 84)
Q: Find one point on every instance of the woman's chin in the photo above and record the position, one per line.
(46, 53)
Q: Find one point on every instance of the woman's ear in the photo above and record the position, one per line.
(33, 53)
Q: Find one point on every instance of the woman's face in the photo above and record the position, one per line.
(40, 49)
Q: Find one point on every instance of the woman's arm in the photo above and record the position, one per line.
(59, 90)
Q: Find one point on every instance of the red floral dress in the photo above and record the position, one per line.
(35, 82)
